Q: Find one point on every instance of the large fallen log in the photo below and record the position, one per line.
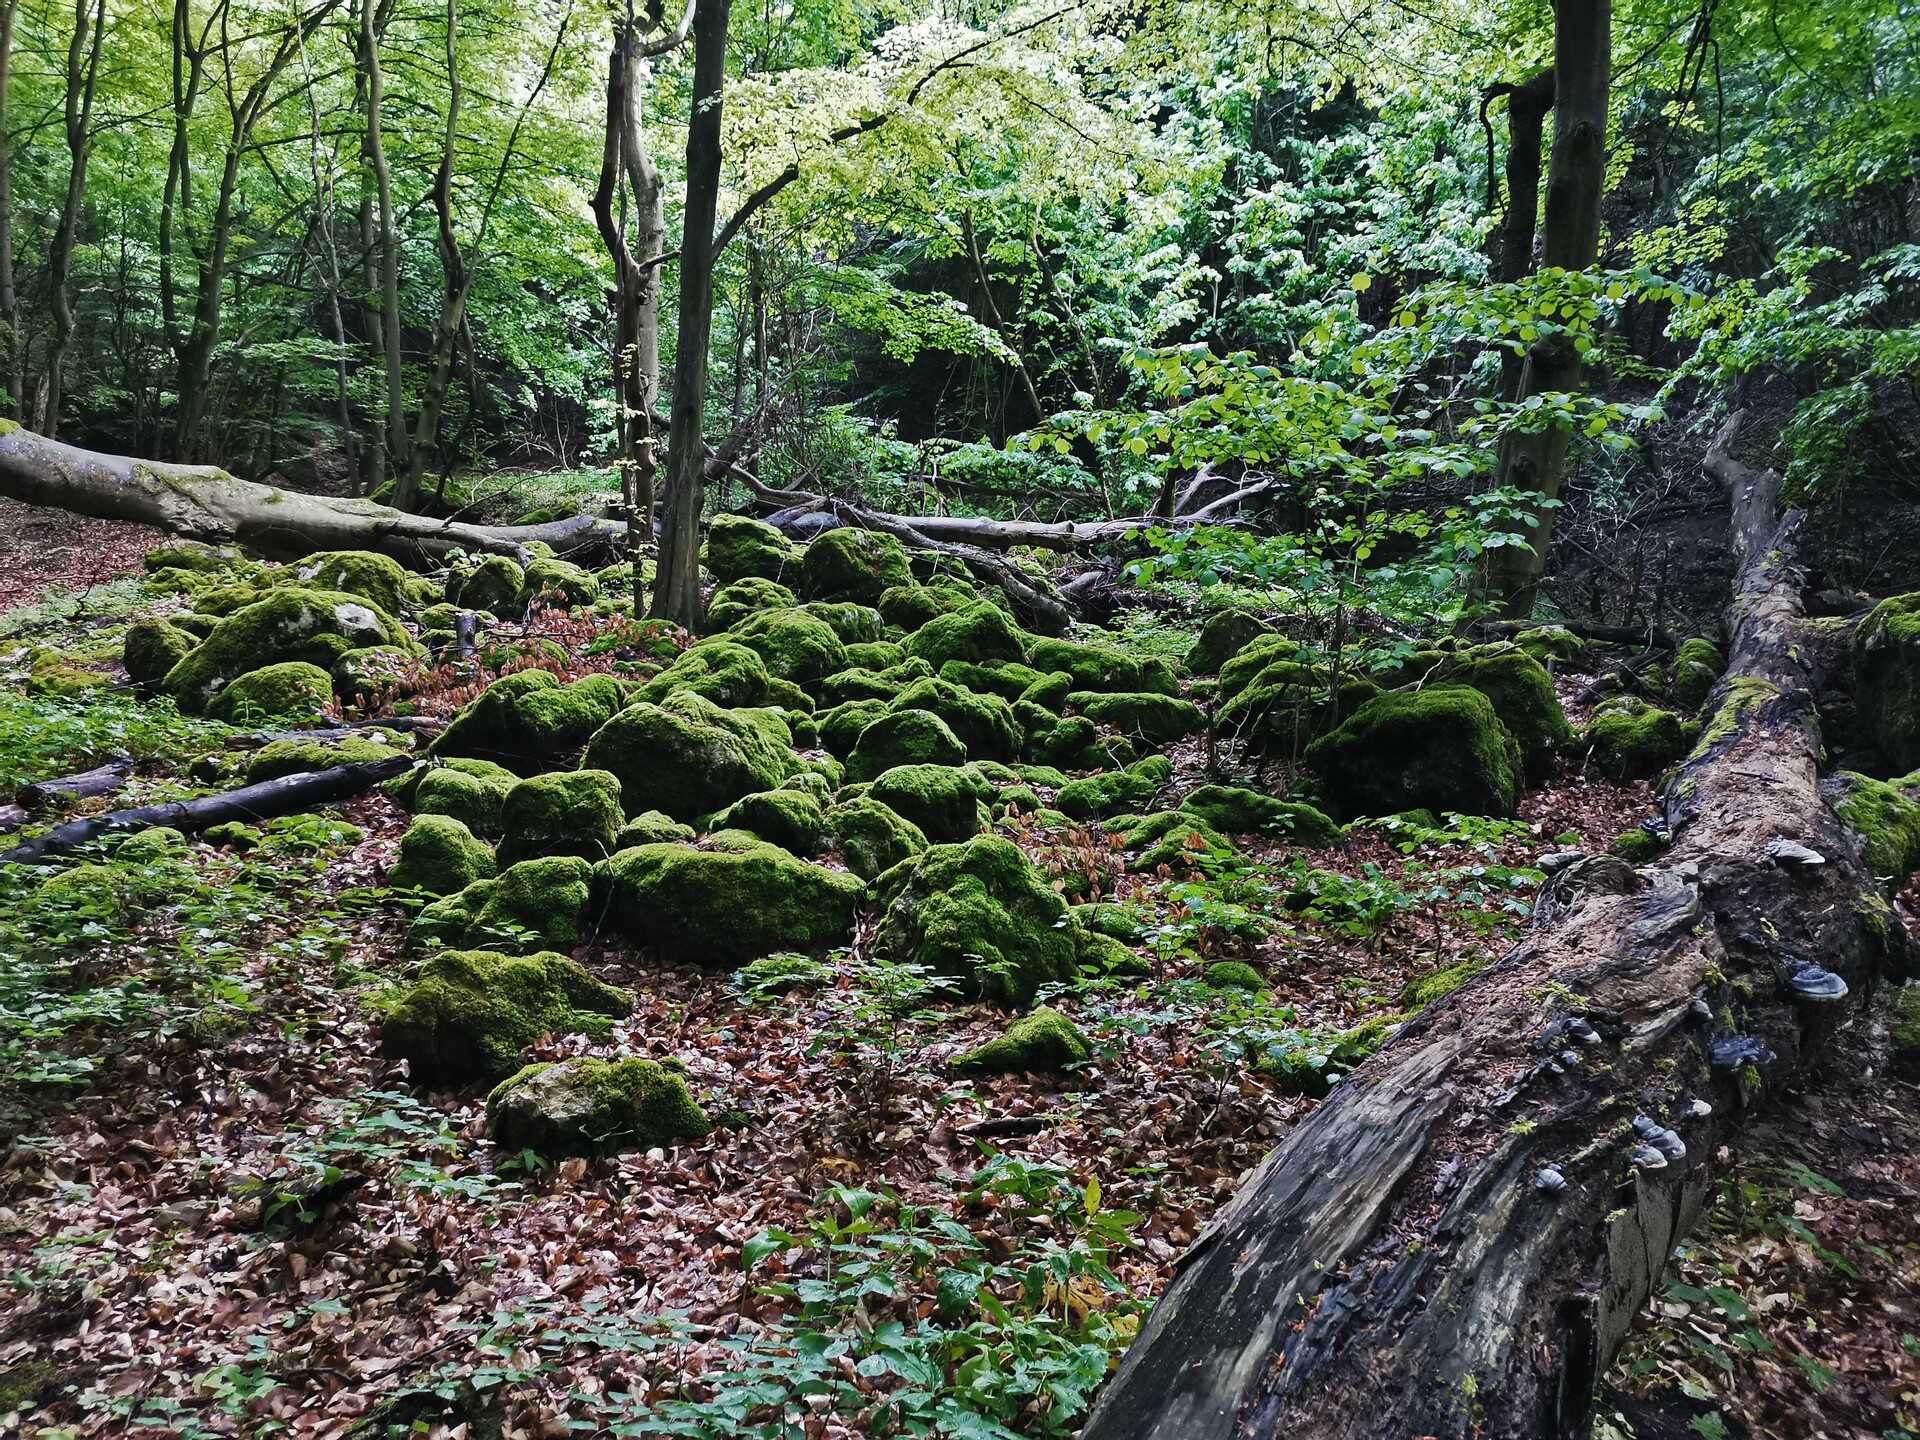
(285, 796)
(1455, 1242)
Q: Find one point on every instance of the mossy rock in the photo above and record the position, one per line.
(859, 684)
(794, 645)
(854, 624)
(877, 655)
(198, 626)
(1159, 719)
(378, 578)
(495, 584)
(593, 1107)
(294, 757)
(290, 624)
(984, 724)
(1522, 695)
(1697, 667)
(1105, 955)
(1073, 742)
(1117, 790)
(721, 669)
(232, 835)
(565, 812)
(194, 555)
(1637, 845)
(980, 915)
(941, 801)
(903, 737)
(688, 757)
(1903, 1034)
(1552, 643)
(293, 690)
(534, 905)
(376, 671)
(653, 827)
(1629, 739)
(792, 819)
(1045, 776)
(782, 974)
(1007, 679)
(1042, 1042)
(1315, 1071)
(979, 634)
(152, 648)
(739, 548)
(1222, 636)
(851, 563)
(1106, 917)
(471, 1013)
(726, 907)
(1285, 704)
(739, 600)
(470, 791)
(1099, 667)
(150, 846)
(1441, 983)
(873, 837)
(560, 585)
(1049, 692)
(1174, 838)
(1886, 679)
(908, 607)
(440, 856)
(57, 676)
(840, 728)
(1439, 749)
(530, 722)
(1240, 811)
(1234, 975)
(1887, 822)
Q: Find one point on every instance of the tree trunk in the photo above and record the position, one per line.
(83, 71)
(9, 289)
(676, 589)
(1454, 1244)
(1537, 461)
(456, 281)
(373, 19)
(1527, 107)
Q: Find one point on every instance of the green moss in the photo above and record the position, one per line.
(53, 674)
(1744, 695)
(908, 607)
(873, 837)
(1105, 917)
(232, 835)
(1174, 838)
(1042, 775)
(1224, 635)
(723, 670)
(292, 757)
(1629, 739)
(529, 721)
(1008, 680)
(1097, 667)
(1637, 845)
(1903, 1034)
(1234, 975)
(739, 548)
(1127, 789)
(903, 737)
(983, 724)
(877, 655)
(593, 1107)
(193, 555)
(1156, 718)
(1439, 749)
(854, 564)
(653, 827)
(688, 757)
(293, 690)
(290, 624)
(1697, 665)
(783, 973)
(1441, 983)
(534, 905)
(978, 914)
(1105, 955)
(560, 585)
(854, 624)
(26, 1384)
(1044, 1041)
(1551, 642)
(1886, 679)
(152, 648)
(858, 684)
(1049, 692)
(943, 802)
(840, 727)
(1246, 812)
(470, 791)
(375, 671)
(739, 601)
(1522, 695)
(440, 856)
(377, 578)
(796, 646)
(1887, 822)
(566, 812)
(980, 634)
(496, 584)
(152, 845)
(792, 819)
(714, 907)
(1281, 702)
(472, 1012)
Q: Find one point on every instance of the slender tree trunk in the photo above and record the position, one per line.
(189, 68)
(1527, 107)
(1537, 461)
(676, 590)
(9, 289)
(395, 452)
(455, 283)
(993, 314)
(83, 71)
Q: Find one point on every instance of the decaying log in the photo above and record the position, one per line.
(101, 780)
(1455, 1242)
(1646, 637)
(285, 796)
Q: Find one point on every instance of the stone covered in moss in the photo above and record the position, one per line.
(314, 626)
(534, 905)
(908, 607)
(796, 646)
(470, 791)
(1441, 983)
(1105, 955)
(154, 647)
(560, 584)
(653, 827)
(440, 856)
(739, 547)
(943, 802)
(1439, 749)
(854, 624)
(792, 819)
(566, 812)
(1887, 822)
(194, 555)
(472, 1012)
(1143, 715)
(154, 843)
(377, 670)
(1234, 975)
(1629, 739)
(1282, 702)
(1007, 679)
(840, 728)
(1551, 642)
(981, 915)
(1886, 679)
(1246, 812)
(1074, 742)
(984, 724)
(1117, 790)
(1315, 1070)
(878, 655)
(903, 737)
(1223, 635)
(861, 684)
(873, 837)
(851, 563)
(1099, 667)
(688, 757)
(378, 578)
(496, 585)
(1043, 1041)
(1637, 845)
(741, 599)
(293, 690)
(723, 670)
(1174, 838)
(980, 633)
(1697, 666)
(293, 757)
(1049, 692)
(726, 907)
(530, 722)
(782, 973)
(1903, 1034)
(593, 1107)
(1522, 695)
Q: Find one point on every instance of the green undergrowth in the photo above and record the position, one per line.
(43, 737)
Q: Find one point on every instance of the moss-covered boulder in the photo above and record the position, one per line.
(1887, 822)
(293, 690)
(1697, 666)
(854, 624)
(152, 648)
(530, 722)
(1072, 742)
(593, 1107)
(861, 684)
(980, 915)
(741, 599)
(1628, 739)
(653, 827)
(470, 791)
(1102, 668)
(984, 724)
(873, 837)
(534, 905)
(560, 584)
(1007, 679)
(1042, 1042)
(1159, 719)
(688, 757)
(877, 655)
(1223, 635)
(1522, 695)
(796, 646)
(908, 607)
(1439, 749)
(980, 633)
(839, 729)
(1173, 838)
(1441, 983)
(1116, 790)
(850, 563)
(1283, 703)
(471, 1012)
(1239, 811)
(195, 556)
(378, 578)
(721, 669)
(942, 801)
(314, 626)
(376, 671)
(1886, 679)
(293, 757)
(564, 812)
(440, 856)
(739, 547)
(792, 819)
(1552, 643)
(232, 835)
(495, 584)
(903, 737)
(726, 907)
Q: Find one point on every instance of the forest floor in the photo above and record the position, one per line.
(221, 1212)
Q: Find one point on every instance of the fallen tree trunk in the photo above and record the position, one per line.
(285, 796)
(1455, 1242)
(101, 780)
